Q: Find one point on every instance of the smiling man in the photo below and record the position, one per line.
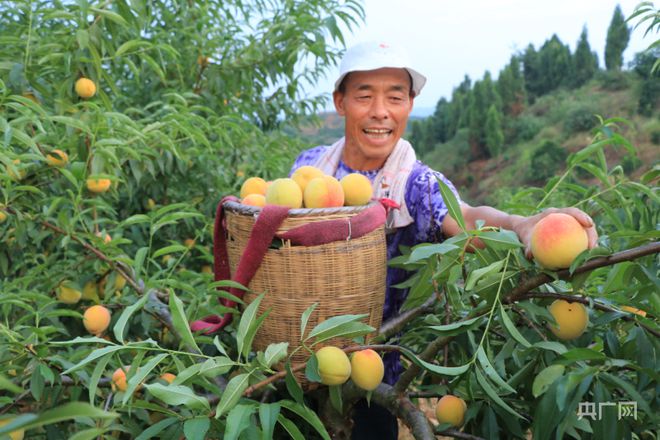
(374, 93)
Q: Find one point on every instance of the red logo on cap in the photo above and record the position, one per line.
(383, 45)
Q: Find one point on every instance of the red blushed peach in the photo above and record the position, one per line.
(304, 174)
(323, 192)
(367, 369)
(557, 239)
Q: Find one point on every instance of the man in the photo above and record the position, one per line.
(374, 93)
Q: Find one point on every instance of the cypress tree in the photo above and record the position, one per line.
(584, 60)
(555, 64)
(532, 73)
(494, 133)
(618, 36)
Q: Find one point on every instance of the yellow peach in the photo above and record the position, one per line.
(16, 175)
(119, 379)
(367, 369)
(284, 192)
(189, 243)
(96, 319)
(57, 158)
(68, 294)
(572, 319)
(85, 88)
(168, 377)
(120, 282)
(254, 200)
(357, 189)
(90, 291)
(253, 185)
(98, 185)
(334, 366)
(557, 239)
(323, 192)
(304, 174)
(451, 409)
(3, 216)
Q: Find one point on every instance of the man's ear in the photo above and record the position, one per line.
(338, 99)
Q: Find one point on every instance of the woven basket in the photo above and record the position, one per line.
(343, 277)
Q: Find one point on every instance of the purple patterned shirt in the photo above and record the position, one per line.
(427, 208)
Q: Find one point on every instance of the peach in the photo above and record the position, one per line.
(90, 291)
(557, 239)
(57, 158)
(253, 185)
(207, 269)
(189, 243)
(13, 435)
(572, 319)
(151, 204)
(21, 171)
(118, 380)
(334, 366)
(98, 185)
(104, 236)
(96, 319)
(168, 377)
(284, 192)
(367, 369)
(85, 88)
(3, 216)
(357, 189)
(304, 174)
(323, 192)
(68, 294)
(254, 200)
(451, 409)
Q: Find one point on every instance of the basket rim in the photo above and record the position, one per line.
(239, 208)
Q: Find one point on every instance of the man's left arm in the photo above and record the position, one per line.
(522, 226)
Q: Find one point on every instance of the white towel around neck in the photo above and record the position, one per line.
(390, 181)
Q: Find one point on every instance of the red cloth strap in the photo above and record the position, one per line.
(268, 221)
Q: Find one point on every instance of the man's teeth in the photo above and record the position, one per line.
(377, 131)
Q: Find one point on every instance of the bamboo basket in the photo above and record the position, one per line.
(343, 277)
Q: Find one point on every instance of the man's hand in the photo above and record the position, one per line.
(523, 226)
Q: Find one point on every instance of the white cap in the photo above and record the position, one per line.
(373, 55)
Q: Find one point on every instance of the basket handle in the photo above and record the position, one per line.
(269, 220)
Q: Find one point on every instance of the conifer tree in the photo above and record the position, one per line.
(584, 60)
(494, 133)
(618, 36)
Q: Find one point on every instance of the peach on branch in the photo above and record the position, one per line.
(557, 239)
(57, 158)
(334, 366)
(85, 88)
(168, 377)
(323, 192)
(68, 294)
(98, 185)
(367, 369)
(572, 319)
(96, 319)
(357, 189)
(284, 192)
(451, 409)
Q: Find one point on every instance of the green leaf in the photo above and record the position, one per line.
(437, 369)
(196, 428)
(491, 372)
(477, 274)
(170, 250)
(140, 375)
(157, 428)
(307, 415)
(305, 318)
(136, 219)
(6, 384)
(180, 322)
(275, 353)
(95, 354)
(451, 201)
(551, 346)
(248, 326)
(268, 414)
(89, 434)
(335, 398)
(290, 428)
(177, 395)
(235, 388)
(425, 250)
(238, 420)
(581, 354)
(500, 240)
(340, 326)
(493, 395)
(292, 385)
(511, 328)
(312, 369)
(71, 410)
(458, 327)
(629, 391)
(545, 378)
(99, 369)
(216, 366)
(120, 325)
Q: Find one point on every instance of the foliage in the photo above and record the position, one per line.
(585, 61)
(546, 160)
(580, 119)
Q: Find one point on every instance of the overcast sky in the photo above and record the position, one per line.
(447, 39)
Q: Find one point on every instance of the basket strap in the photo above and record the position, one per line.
(261, 236)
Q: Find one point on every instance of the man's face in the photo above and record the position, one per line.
(376, 105)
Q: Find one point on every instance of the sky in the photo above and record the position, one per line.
(447, 39)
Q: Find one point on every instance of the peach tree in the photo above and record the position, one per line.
(109, 199)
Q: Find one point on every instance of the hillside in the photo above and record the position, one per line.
(554, 126)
